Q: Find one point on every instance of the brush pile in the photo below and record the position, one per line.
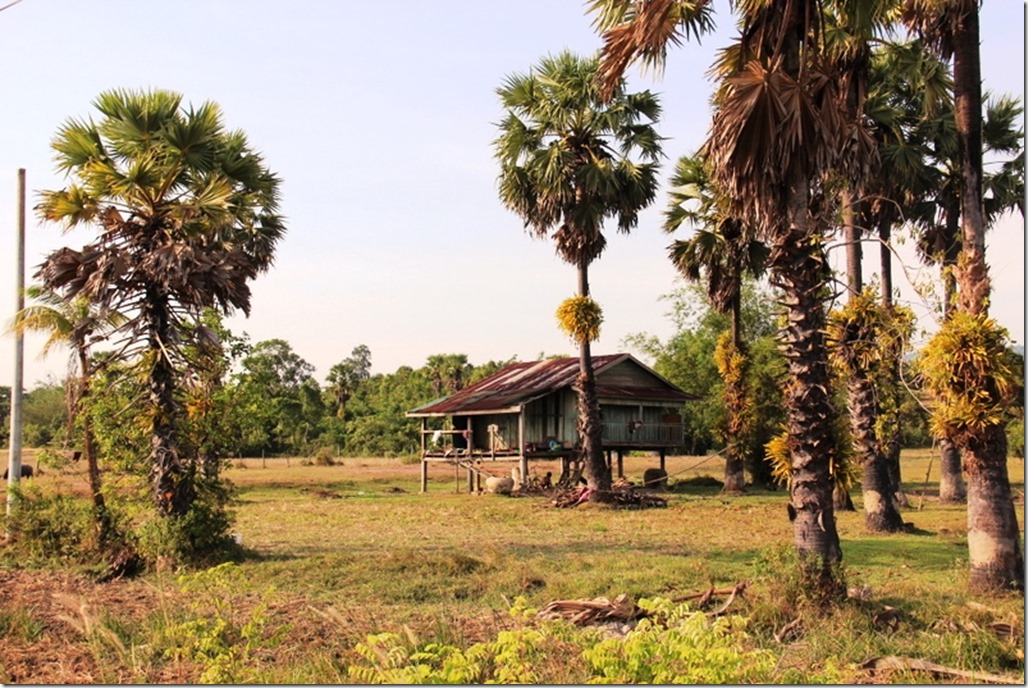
(623, 495)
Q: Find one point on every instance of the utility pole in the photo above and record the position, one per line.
(17, 396)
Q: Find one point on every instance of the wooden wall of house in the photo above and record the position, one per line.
(627, 374)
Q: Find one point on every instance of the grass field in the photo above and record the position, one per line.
(332, 554)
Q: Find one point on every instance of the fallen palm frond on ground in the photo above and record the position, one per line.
(594, 611)
(587, 612)
(892, 663)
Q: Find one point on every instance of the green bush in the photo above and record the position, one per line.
(52, 526)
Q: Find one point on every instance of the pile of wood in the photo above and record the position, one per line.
(624, 495)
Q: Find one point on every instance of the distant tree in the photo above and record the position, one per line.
(44, 414)
(344, 377)
(449, 372)
(270, 392)
(687, 359)
(186, 215)
(569, 160)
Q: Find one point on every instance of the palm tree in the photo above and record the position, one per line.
(344, 377)
(779, 126)
(849, 30)
(566, 166)
(938, 219)
(907, 88)
(720, 253)
(76, 324)
(185, 213)
(951, 29)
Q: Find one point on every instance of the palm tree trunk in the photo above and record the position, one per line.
(798, 269)
(881, 513)
(798, 266)
(890, 442)
(993, 535)
(100, 513)
(734, 375)
(952, 488)
(171, 489)
(589, 428)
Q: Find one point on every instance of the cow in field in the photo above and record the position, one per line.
(26, 471)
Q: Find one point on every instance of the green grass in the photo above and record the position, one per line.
(348, 550)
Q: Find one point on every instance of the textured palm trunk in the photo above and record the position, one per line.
(172, 492)
(100, 514)
(798, 267)
(993, 536)
(952, 488)
(735, 406)
(890, 443)
(881, 513)
(589, 428)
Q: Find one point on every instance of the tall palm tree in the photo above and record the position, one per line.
(851, 27)
(76, 324)
(951, 28)
(568, 162)
(938, 217)
(907, 88)
(186, 214)
(778, 128)
(720, 254)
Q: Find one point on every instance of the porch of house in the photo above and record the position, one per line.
(469, 452)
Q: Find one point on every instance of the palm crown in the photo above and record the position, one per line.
(183, 205)
(566, 157)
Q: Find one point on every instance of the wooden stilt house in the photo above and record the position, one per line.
(529, 411)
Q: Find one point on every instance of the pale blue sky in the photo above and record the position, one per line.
(379, 118)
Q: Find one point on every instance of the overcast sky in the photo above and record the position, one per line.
(379, 117)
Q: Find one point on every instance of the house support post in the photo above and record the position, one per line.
(621, 463)
(663, 454)
(424, 452)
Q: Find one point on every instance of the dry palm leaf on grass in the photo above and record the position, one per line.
(585, 612)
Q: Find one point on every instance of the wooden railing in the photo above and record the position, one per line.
(658, 434)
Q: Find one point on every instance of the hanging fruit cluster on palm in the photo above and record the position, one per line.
(580, 317)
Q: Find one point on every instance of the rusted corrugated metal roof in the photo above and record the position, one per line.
(518, 383)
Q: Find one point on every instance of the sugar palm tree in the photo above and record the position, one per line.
(850, 29)
(186, 215)
(971, 395)
(720, 253)
(938, 217)
(569, 161)
(778, 128)
(907, 88)
(77, 325)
